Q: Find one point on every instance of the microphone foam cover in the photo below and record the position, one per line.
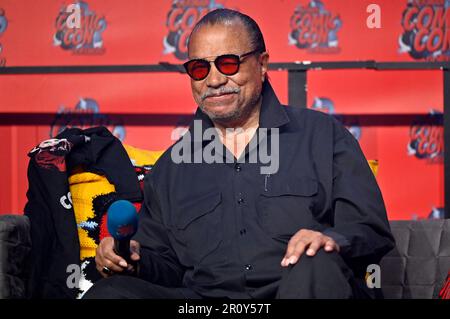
(122, 219)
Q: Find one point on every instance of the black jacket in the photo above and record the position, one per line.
(221, 229)
(54, 235)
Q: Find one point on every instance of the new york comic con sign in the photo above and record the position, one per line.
(315, 28)
(3, 26)
(79, 29)
(181, 19)
(426, 30)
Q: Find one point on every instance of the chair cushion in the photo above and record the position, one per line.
(15, 245)
(418, 265)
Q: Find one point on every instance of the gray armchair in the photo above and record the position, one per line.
(415, 268)
(15, 245)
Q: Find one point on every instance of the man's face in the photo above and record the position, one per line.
(227, 99)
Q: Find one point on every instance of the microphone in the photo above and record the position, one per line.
(122, 225)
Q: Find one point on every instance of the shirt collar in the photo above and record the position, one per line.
(272, 113)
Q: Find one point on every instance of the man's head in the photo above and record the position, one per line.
(228, 99)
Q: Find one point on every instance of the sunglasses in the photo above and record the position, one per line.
(227, 64)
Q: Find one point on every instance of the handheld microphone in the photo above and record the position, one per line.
(122, 224)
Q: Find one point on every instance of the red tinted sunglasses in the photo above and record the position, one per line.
(227, 64)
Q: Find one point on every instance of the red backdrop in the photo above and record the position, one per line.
(35, 33)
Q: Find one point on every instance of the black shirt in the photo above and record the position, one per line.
(221, 229)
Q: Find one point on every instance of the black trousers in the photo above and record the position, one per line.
(324, 276)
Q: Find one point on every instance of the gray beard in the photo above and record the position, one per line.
(237, 114)
(232, 116)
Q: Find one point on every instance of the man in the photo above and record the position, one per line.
(307, 229)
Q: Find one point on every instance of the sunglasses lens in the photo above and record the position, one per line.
(228, 64)
(198, 70)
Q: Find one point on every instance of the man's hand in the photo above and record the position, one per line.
(106, 257)
(307, 240)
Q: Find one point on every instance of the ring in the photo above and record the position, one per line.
(106, 270)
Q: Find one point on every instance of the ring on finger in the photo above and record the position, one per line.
(106, 270)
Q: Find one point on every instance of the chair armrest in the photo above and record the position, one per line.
(15, 246)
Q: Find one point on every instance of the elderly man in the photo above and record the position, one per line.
(306, 228)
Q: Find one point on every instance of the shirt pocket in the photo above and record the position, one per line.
(197, 226)
(286, 205)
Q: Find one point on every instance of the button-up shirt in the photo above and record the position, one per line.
(221, 228)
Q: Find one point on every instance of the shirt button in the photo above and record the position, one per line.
(248, 267)
(243, 231)
(240, 200)
(238, 168)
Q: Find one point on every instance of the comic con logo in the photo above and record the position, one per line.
(79, 29)
(436, 213)
(426, 26)
(181, 19)
(427, 138)
(3, 26)
(326, 105)
(85, 114)
(315, 28)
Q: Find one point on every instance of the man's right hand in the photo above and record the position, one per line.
(106, 257)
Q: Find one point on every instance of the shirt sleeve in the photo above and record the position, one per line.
(360, 221)
(158, 261)
(341, 240)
